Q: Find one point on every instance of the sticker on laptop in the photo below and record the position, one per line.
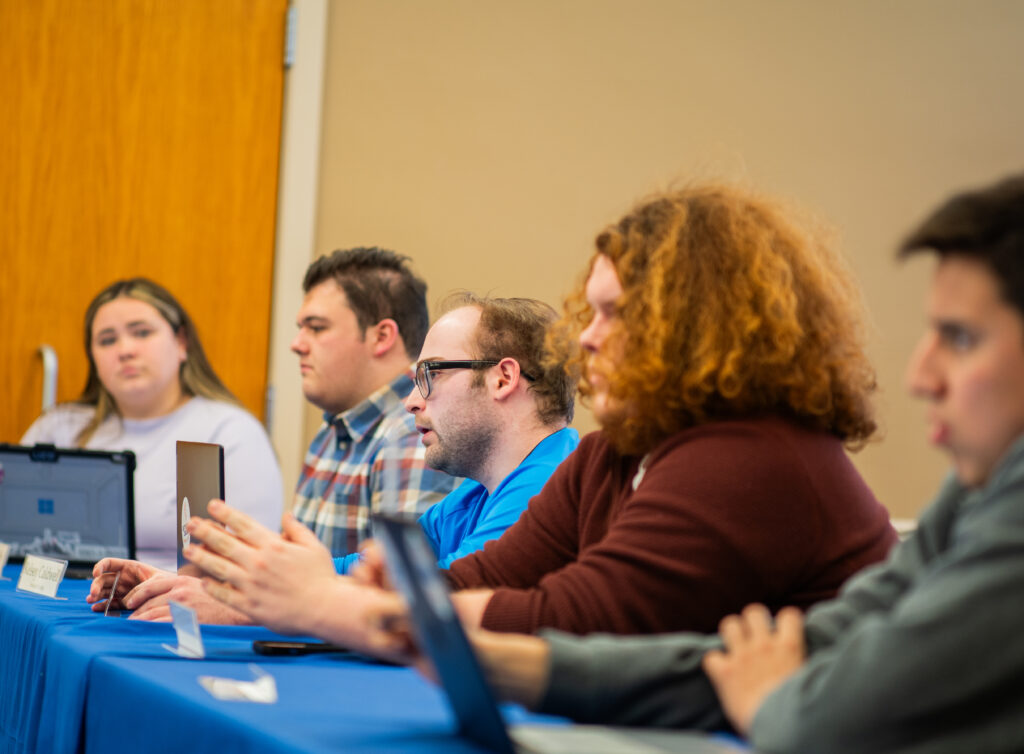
(186, 514)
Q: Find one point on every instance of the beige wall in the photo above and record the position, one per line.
(491, 140)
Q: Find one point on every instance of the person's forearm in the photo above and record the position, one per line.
(516, 665)
(470, 604)
(365, 619)
(336, 617)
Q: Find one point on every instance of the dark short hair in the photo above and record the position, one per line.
(378, 285)
(984, 224)
(517, 328)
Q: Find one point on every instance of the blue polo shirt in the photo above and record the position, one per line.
(468, 517)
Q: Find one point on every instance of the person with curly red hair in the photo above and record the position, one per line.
(722, 356)
(724, 307)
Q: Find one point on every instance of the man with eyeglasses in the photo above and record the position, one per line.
(488, 409)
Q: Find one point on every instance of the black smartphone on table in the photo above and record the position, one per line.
(296, 647)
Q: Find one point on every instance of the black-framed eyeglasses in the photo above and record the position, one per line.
(425, 370)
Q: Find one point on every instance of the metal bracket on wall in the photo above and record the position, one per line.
(291, 25)
(268, 409)
(49, 357)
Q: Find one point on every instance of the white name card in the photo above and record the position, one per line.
(5, 551)
(41, 575)
(186, 626)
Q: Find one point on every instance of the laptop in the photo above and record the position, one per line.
(67, 503)
(413, 568)
(200, 479)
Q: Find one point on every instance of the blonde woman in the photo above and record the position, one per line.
(150, 385)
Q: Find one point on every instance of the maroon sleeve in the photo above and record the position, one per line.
(724, 517)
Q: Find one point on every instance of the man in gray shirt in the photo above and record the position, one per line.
(919, 654)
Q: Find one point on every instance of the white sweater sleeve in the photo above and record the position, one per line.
(59, 426)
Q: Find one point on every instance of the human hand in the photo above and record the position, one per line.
(371, 570)
(150, 601)
(470, 604)
(277, 580)
(759, 655)
(288, 582)
(132, 574)
(381, 624)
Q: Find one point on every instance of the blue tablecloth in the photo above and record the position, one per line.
(324, 707)
(74, 680)
(27, 625)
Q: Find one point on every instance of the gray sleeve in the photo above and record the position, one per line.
(939, 671)
(637, 680)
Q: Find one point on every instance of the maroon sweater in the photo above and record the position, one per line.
(726, 514)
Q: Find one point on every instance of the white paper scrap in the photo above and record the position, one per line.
(263, 690)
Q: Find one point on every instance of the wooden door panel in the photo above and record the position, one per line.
(138, 137)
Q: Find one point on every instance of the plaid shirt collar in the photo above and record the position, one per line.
(360, 420)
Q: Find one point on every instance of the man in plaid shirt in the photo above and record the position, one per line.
(361, 324)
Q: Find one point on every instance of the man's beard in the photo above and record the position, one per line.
(464, 449)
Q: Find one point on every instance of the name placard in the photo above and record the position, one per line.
(5, 551)
(41, 575)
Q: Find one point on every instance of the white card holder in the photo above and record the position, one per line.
(186, 626)
(42, 576)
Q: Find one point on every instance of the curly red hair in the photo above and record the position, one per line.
(731, 307)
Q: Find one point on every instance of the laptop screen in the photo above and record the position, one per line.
(413, 566)
(71, 504)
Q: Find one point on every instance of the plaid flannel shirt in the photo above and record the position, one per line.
(365, 460)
